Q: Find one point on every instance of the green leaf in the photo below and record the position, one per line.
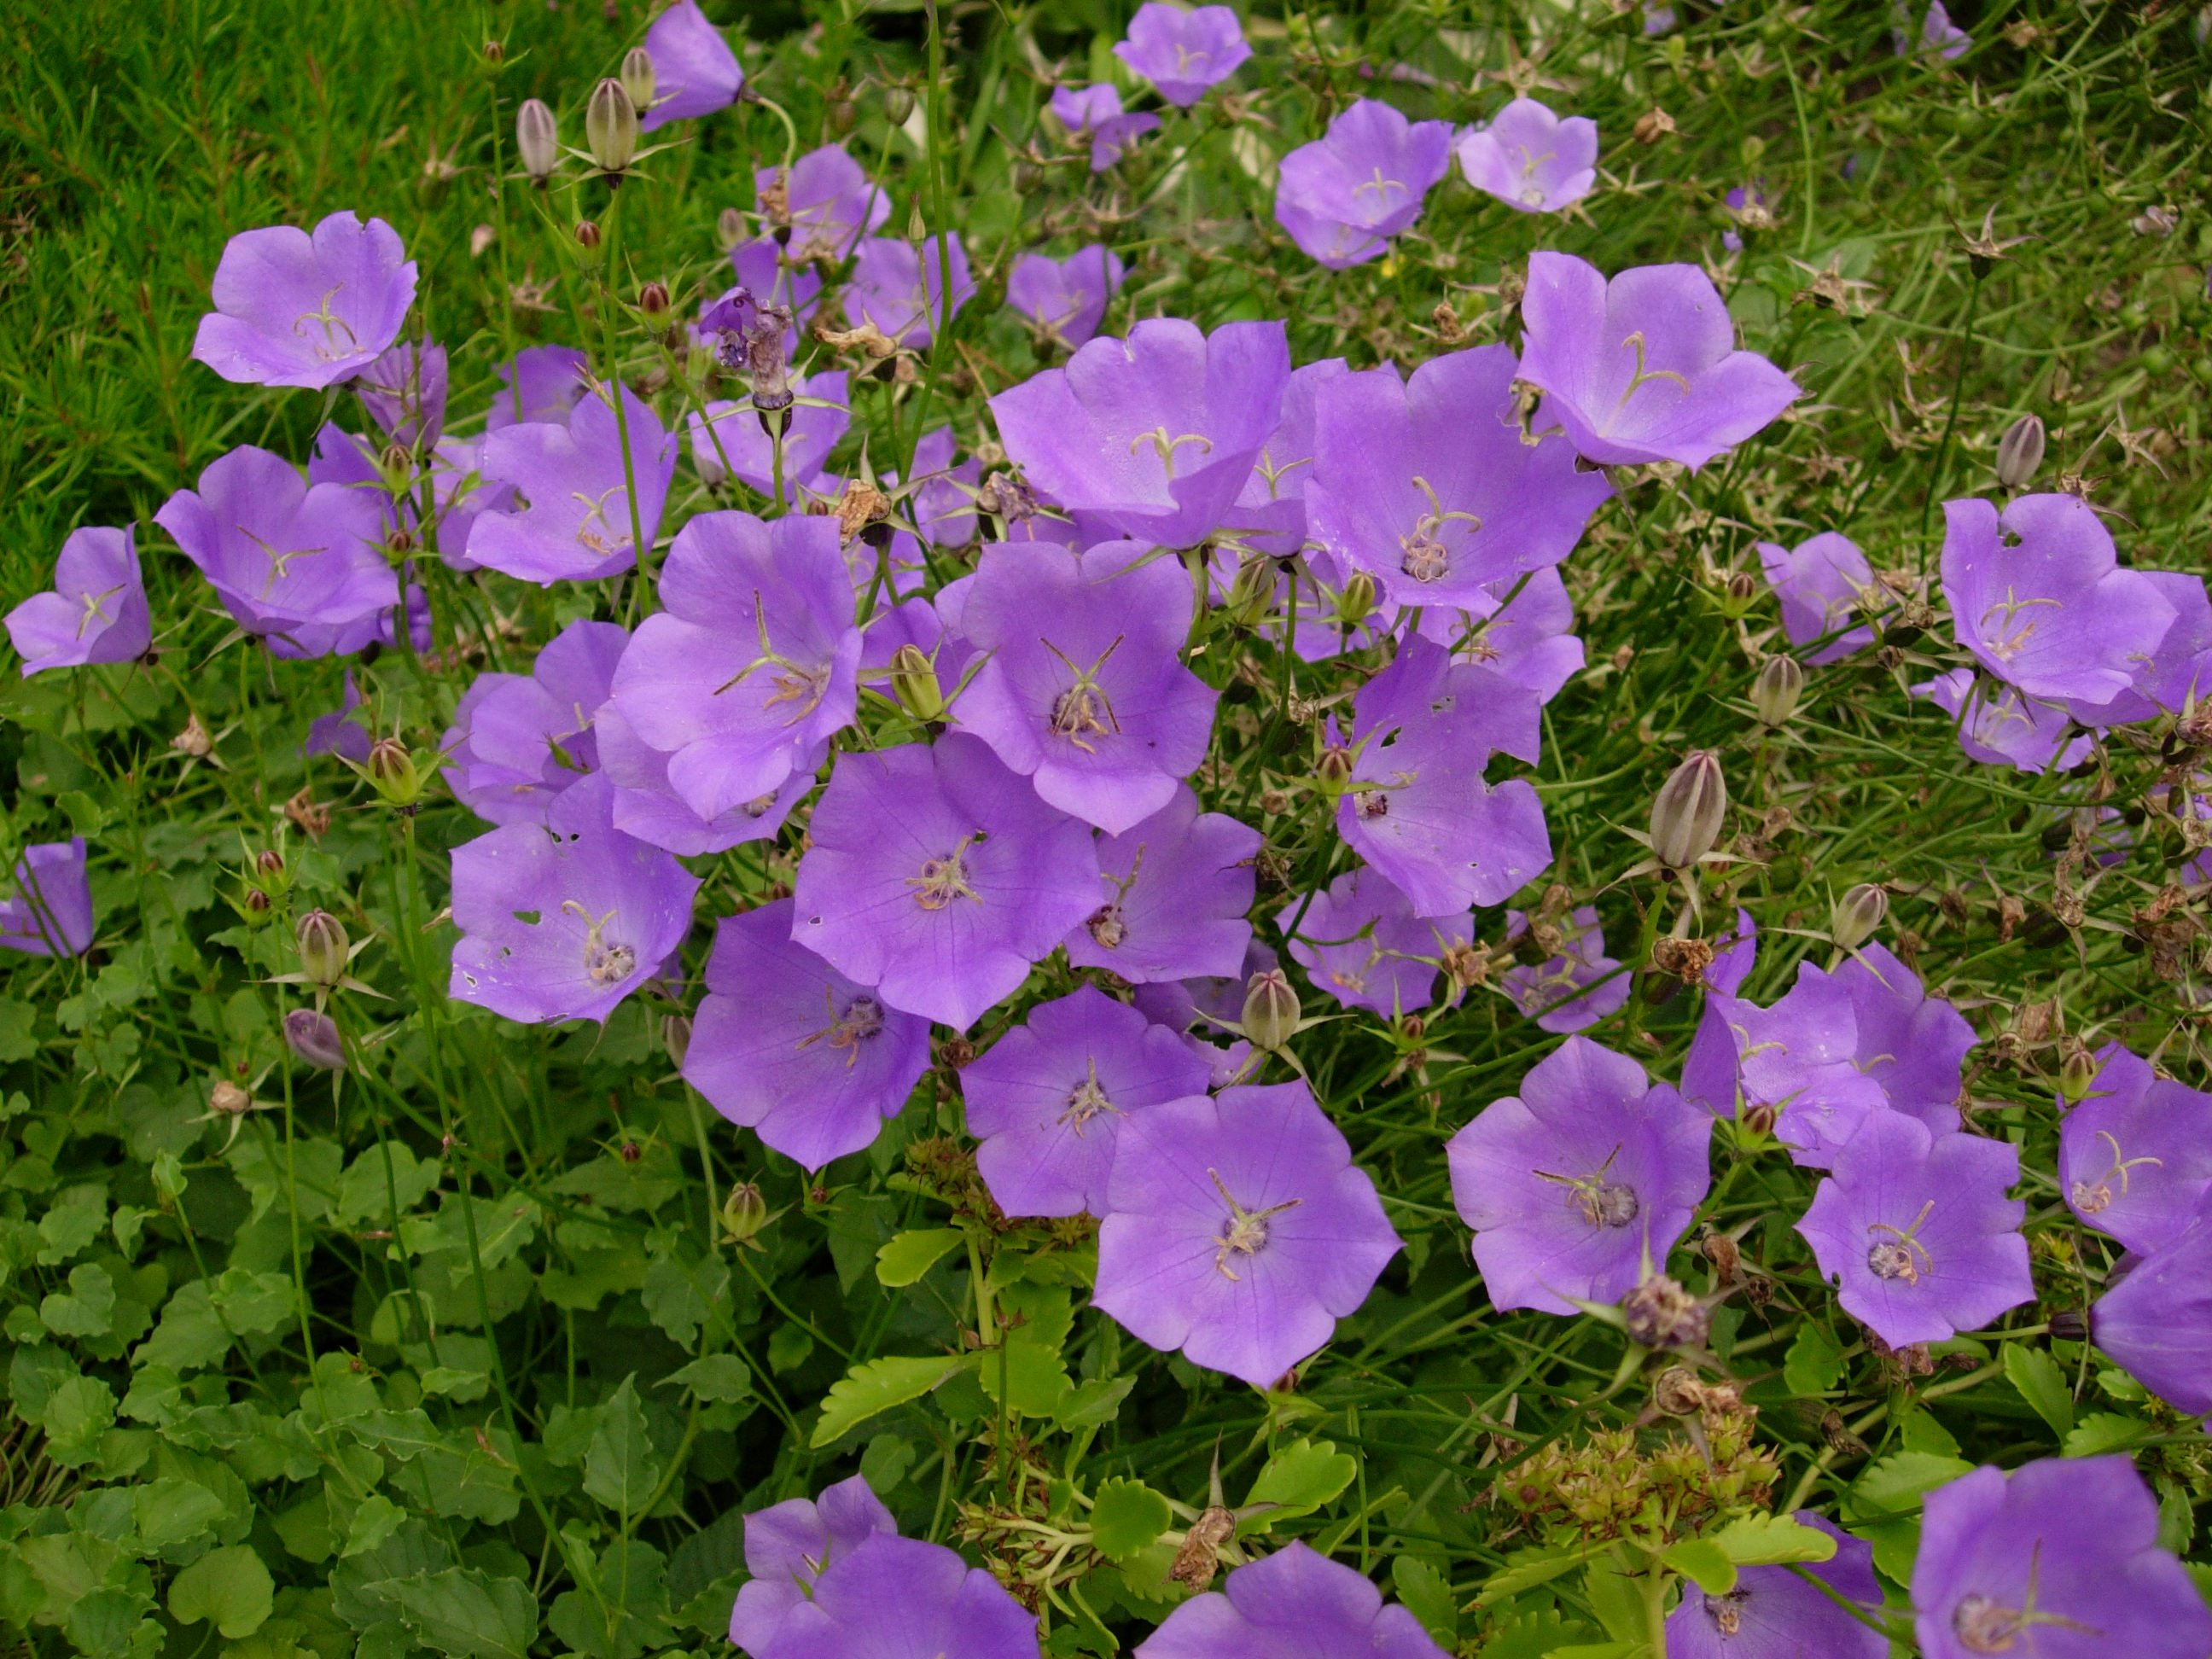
(1617, 1598)
(1127, 1519)
(876, 1386)
(907, 1257)
(1771, 1541)
(1301, 1478)
(168, 1511)
(719, 1377)
(1895, 1486)
(2104, 1432)
(374, 1522)
(464, 1614)
(1091, 1405)
(2042, 1384)
(229, 1586)
(1814, 1363)
(1704, 1562)
(1533, 1636)
(1427, 1594)
(86, 1309)
(1525, 1572)
(681, 1294)
(620, 1469)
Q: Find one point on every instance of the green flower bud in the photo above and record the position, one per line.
(745, 1212)
(2077, 1074)
(1853, 918)
(1333, 770)
(324, 949)
(675, 1037)
(1252, 593)
(914, 683)
(1271, 1010)
(258, 908)
(392, 770)
(638, 78)
(611, 127)
(898, 103)
(1775, 692)
(2020, 451)
(1687, 812)
(653, 302)
(1355, 602)
(536, 139)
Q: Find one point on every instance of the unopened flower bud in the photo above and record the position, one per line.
(1688, 812)
(1853, 918)
(258, 907)
(495, 51)
(1333, 770)
(313, 1040)
(1355, 600)
(675, 1037)
(2077, 1074)
(2071, 1325)
(227, 1099)
(898, 103)
(842, 113)
(1742, 587)
(393, 771)
(611, 127)
(1252, 593)
(323, 948)
(652, 300)
(588, 237)
(269, 864)
(480, 241)
(1271, 1010)
(745, 1212)
(914, 683)
(730, 227)
(637, 77)
(2020, 451)
(1774, 694)
(537, 138)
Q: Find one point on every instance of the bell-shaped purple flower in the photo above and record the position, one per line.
(1094, 114)
(2156, 1320)
(650, 807)
(2059, 1559)
(579, 520)
(1643, 367)
(897, 1598)
(1530, 639)
(1048, 1100)
(1084, 690)
(1428, 486)
(1184, 52)
(936, 876)
(1175, 890)
(542, 383)
(1580, 1185)
(1912, 1044)
(1918, 1230)
(338, 732)
(1270, 516)
(1998, 726)
(1343, 197)
(562, 919)
(694, 72)
(827, 202)
(519, 741)
(900, 288)
(1773, 1613)
(1239, 1231)
(97, 611)
(729, 441)
(790, 1545)
(787, 1045)
(2135, 1156)
(1285, 1606)
(296, 566)
(293, 308)
(1154, 435)
(49, 913)
(1825, 585)
(403, 392)
(1531, 160)
(1575, 989)
(1360, 942)
(1064, 299)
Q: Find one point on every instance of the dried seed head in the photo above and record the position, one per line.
(1661, 1314)
(227, 1099)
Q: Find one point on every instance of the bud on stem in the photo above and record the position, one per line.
(1774, 694)
(914, 683)
(1853, 918)
(2020, 451)
(324, 950)
(1687, 812)
(638, 79)
(1271, 1010)
(611, 127)
(536, 139)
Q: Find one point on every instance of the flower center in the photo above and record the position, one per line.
(1899, 1255)
(2008, 636)
(1246, 1236)
(1601, 1203)
(1108, 926)
(1643, 376)
(1164, 446)
(945, 879)
(1370, 803)
(1422, 554)
(605, 540)
(328, 348)
(1985, 1625)
(1087, 1101)
(1083, 710)
(1726, 1612)
(2093, 1196)
(605, 962)
(860, 1019)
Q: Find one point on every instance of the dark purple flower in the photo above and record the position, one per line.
(562, 919)
(1530, 159)
(519, 741)
(889, 1597)
(769, 271)
(1643, 367)
(339, 733)
(729, 440)
(97, 611)
(1557, 994)
(1359, 941)
(1998, 726)
(1154, 435)
(751, 336)
(296, 309)
(1773, 1613)
(2059, 1559)
(1175, 890)
(542, 383)
(296, 566)
(1748, 205)
(1428, 486)
(1064, 299)
(1826, 585)
(694, 70)
(579, 519)
(404, 393)
(827, 201)
(2156, 1320)
(1238, 1230)
(1182, 53)
(1914, 1045)
(786, 1045)
(900, 288)
(1343, 197)
(1294, 1602)
(790, 1545)
(936, 876)
(50, 912)
(1579, 1185)
(1050, 1098)
(313, 1039)
(1918, 1230)
(2134, 1156)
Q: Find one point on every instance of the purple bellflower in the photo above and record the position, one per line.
(1183, 53)
(1530, 159)
(1154, 435)
(518, 741)
(1999, 727)
(790, 1545)
(694, 72)
(403, 392)
(1048, 1100)
(1914, 1045)
(579, 520)
(542, 383)
(1773, 1613)
(293, 308)
(1939, 37)
(339, 733)
(787, 1046)
(1238, 1230)
(1094, 114)
(1530, 640)
(897, 1598)
(1917, 1229)
(2157, 1319)
(1294, 1602)
(2060, 1560)
(562, 919)
(2135, 1156)
(50, 912)
(943, 500)
(1064, 299)
(1175, 890)
(1271, 508)
(937, 877)
(1580, 1185)
(1343, 197)
(900, 288)
(826, 200)
(1825, 585)
(729, 440)
(649, 806)
(2180, 669)
(1573, 989)
(1359, 941)
(1643, 367)
(97, 611)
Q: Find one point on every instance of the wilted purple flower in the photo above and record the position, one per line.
(768, 270)
(1095, 112)
(752, 336)
(577, 522)
(1558, 993)
(1066, 299)
(1773, 1613)
(1825, 585)
(2134, 1156)
(564, 920)
(1182, 53)
(296, 566)
(97, 611)
(313, 1039)
(295, 309)
(1914, 1045)
(1417, 809)
(542, 383)
(1048, 1099)
(1343, 197)
(790, 1545)
(1581, 1183)
(786, 1045)
(1530, 159)
(2157, 1319)
(1084, 690)
(694, 70)
(1939, 36)
(1239, 1231)
(1643, 367)
(900, 288)
(889, 1597)
(729, 440)
(519, 740)
(50, 912)
(1156, 434)
(2059, 1559)
(1295, 1601)
(1175, 888)
(827, 201)
(936, 876)
(1746, 204)
(1916, 1230)
(404, 393)
(1359, 941)
(1427, 485)
(339, 733)
(1998, 726)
